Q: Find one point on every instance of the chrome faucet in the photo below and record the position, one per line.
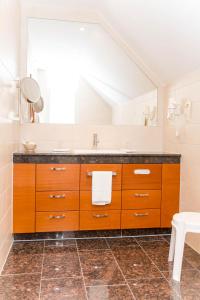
(95, 141)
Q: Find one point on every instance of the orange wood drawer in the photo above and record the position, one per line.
(101, 219)
(57, 177)
(132, 180)
(136, 199)
(86, 181)
(145, 218)
(86, 201)
(57, 221)
(57, 201)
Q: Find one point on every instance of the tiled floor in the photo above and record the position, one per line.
(94, 269)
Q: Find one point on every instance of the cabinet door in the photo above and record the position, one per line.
(138, 199)
(140, 218)
(100, 220)
(57, 201)
(170, 193)
(24, 198)
(142, 176)
(57, 221)
(86, 178)
(57, 177)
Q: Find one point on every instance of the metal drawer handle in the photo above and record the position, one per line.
(140, 214)
(142, 171)
(90, 173)
(57, 217)
(140, 195)
(57, 169)
(57, 196)
(101, 216)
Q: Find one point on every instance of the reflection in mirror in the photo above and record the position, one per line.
(86, 77)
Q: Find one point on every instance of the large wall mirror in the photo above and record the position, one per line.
(85, 76)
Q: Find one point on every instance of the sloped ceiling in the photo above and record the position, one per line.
(164, 33)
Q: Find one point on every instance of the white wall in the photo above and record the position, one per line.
(91, 107)
(188, 144)
(9, 132)
(49, 136)
(132, 112)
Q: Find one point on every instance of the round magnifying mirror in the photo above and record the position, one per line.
(30, 89)
(39, 105)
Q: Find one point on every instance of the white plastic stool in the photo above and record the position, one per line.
(181, 224)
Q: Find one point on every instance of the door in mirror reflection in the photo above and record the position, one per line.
(86, 77)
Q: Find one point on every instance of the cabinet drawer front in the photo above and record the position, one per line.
(57, 177)
(57, 221)
(146, 218)
(24, 198)
(86, 178)
(136, 199)
(101, 219)
(142, 176)
(57, 201)
(86, 201)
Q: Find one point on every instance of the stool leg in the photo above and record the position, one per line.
(178, 258)
(172, 244)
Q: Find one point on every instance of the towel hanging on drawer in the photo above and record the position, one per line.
(101, 187)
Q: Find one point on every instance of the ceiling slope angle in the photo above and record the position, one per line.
(165, 34)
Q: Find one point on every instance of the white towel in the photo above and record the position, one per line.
(101, 187)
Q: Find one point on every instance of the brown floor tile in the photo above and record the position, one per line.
(17, 264)
(63, 288)
(19, 248)
(122, 242)
(192, 257)
(92, 244)
(99, 268)
(145, 231)
(18, 287)
(158, 251)
(167, 238)
(134, 263)
(70, 242)
(149, 238)
(189, 286)
(98, 233)
(61, 265)
(155, 245)
(60, 249)
(120, 292)
(152, 289)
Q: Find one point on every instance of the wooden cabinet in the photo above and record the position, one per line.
(142, 176)
(100, 219)
(57, 221)
(57, 177)
(86, 178)
(170, 193)
(137, 199)
(58, 197)
(24, 198)
(140, 218)
(57, 200)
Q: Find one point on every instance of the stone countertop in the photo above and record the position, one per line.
(101, 158)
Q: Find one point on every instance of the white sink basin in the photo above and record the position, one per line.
(103, 151)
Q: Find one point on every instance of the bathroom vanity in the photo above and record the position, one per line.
(52, 192)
